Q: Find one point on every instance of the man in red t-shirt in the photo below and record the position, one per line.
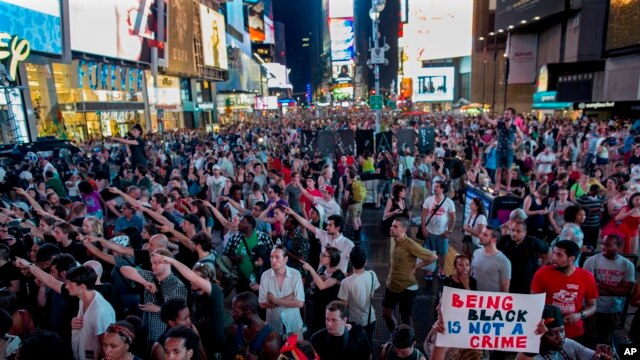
(567, 287)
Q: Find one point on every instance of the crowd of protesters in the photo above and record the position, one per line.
(239, 245)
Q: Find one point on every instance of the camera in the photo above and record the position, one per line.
(16, 230)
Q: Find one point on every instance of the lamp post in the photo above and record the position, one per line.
(484, 67)
(377, 52)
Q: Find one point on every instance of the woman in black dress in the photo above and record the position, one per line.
(462, 279)
(325, 286)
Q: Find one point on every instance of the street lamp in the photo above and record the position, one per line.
(377, 53)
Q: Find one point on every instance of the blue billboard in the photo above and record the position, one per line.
(342, 39)
(37, 21)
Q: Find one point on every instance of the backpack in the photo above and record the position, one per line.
(359, 191)
(227, 274)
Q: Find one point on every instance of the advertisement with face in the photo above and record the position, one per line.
(180, 46)
(256, 22)
(342, 39)
(433, 84)
(343, 72)
(37, 21)
(214, 43)
(122, 29)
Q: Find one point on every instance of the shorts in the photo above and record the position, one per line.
(455, 184)
(602, 161)
(437, 243)
(355, 210)
(504, 159)
(418, 194)
(405, 299)
(384, 186)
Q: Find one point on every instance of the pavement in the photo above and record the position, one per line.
(424, 310)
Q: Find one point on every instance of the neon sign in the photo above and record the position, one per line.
(15, 49)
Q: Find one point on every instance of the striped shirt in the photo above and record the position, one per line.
(593, 208)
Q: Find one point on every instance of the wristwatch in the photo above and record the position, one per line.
(582, 315)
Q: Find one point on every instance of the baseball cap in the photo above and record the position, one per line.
(21, 205)
(552, 317)
(120, 240)
(216, 167)
(329, 189)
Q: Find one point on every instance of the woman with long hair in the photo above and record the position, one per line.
(199, 209)
(473, 226)
(629, 219)
(326, 284)
(535, 206)
(573, 217)
(396, 207)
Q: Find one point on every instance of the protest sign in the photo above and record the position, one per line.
(490, 320)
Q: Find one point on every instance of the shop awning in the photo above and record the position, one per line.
(551, 105)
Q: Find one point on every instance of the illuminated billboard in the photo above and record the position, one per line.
(269, 31)
(113, 28)
(620, 32)
(37, 21)
(433, 84)
(266, 103)
(342, 72)
(342, 39)
(180, 45)
(512, 12)
(438, 29)
(340, 9)
(277, 76)
(214, 42)
(256, 22)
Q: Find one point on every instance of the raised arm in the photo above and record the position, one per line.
(47, 279)
(182, 238)
(116, 247)
(304, 222)
(97, 252)
(187, 273)
(125, 141)
(492, 122)
(34, 204)
(225, 223)
(132, 274)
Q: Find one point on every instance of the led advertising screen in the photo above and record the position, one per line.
(266, 103)
(433, 84)
(342, 39)
(256, 22)
(620, 33)
(269, 31)
(340, 9)
(439, 29)
(214, 42)
(277, 76)
(342, 72)
(512, 12)
(37, 21)
(180, 45)
(122, 29)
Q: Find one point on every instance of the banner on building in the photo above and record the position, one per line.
(180, 44)
(523, 54)
(486, 320)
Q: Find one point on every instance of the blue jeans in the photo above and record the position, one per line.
(439, 244)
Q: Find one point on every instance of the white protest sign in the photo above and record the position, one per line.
(490, 320)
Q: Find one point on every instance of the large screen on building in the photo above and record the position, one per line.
(277, 76)
(340, 8)
(433, 84)
(37, 21)
(512, 12)
(122, 29)
(620, 31)
(256, 22)
(439, 29)
(214, 42)
(342, 72)
(180, 44)
(342, 39)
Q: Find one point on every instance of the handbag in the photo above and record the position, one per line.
(370, 300)
(468, 238)
(419, 234)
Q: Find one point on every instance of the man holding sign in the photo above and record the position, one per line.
(567, 287)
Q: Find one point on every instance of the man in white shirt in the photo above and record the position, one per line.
(326, 201)
(331, 237)
(545, 161)
(437, 222)
(282, 294)
(215, 183)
